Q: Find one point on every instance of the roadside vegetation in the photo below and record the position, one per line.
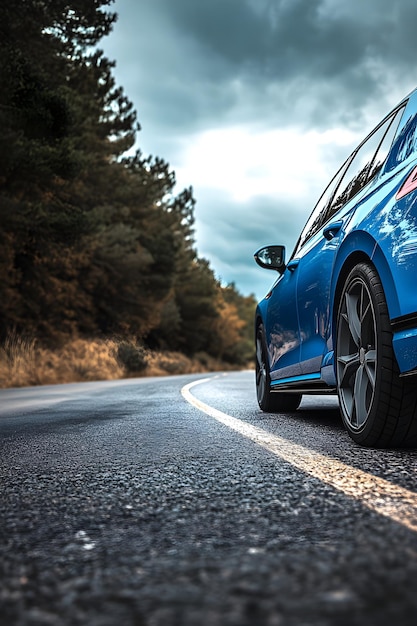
(24, 363)
(98, 264)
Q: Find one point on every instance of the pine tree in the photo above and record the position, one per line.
(92, 241)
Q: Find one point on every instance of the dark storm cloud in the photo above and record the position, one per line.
(283, 39)
(221, 59)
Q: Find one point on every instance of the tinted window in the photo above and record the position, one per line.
(357, 171)
(321, 209)
(367, 162)
(405, 144)
(385, 146)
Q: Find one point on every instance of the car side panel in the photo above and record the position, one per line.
(313, 299)
(387, 235)
(279, 314)
(386, 231)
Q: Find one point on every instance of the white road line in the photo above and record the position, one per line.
(375, 493)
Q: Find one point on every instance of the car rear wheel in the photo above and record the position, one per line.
(378, 407)
(270, 402)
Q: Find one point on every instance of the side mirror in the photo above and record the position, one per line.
(271, 258)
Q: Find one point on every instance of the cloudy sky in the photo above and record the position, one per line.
(256, 103)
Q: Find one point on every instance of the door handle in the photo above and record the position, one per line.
(331, 230)
(293, 264)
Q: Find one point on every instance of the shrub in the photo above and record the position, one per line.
(131, 356)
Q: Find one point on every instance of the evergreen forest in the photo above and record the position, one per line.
(94, 240)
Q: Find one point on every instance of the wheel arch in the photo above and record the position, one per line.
(258, 319)
(261, 314)
(361, 247)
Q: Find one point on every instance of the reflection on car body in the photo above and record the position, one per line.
(342, 316)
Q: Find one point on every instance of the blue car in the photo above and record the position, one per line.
(342, 315)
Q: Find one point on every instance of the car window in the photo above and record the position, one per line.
(321, 209)
(385, 146)
(367, 161)
(404, 145)
(363, 164)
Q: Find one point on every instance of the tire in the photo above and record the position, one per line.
(378, 407)
(270, 402)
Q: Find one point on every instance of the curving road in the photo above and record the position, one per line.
(175, 501)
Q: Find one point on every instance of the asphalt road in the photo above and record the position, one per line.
(133, 503)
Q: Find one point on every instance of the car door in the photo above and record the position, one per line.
(281, 327)
(318, 247)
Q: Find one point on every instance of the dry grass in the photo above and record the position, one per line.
(17, 360)
(24, 363)
(163, 363)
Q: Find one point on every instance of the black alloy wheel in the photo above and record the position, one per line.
(377, 406)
